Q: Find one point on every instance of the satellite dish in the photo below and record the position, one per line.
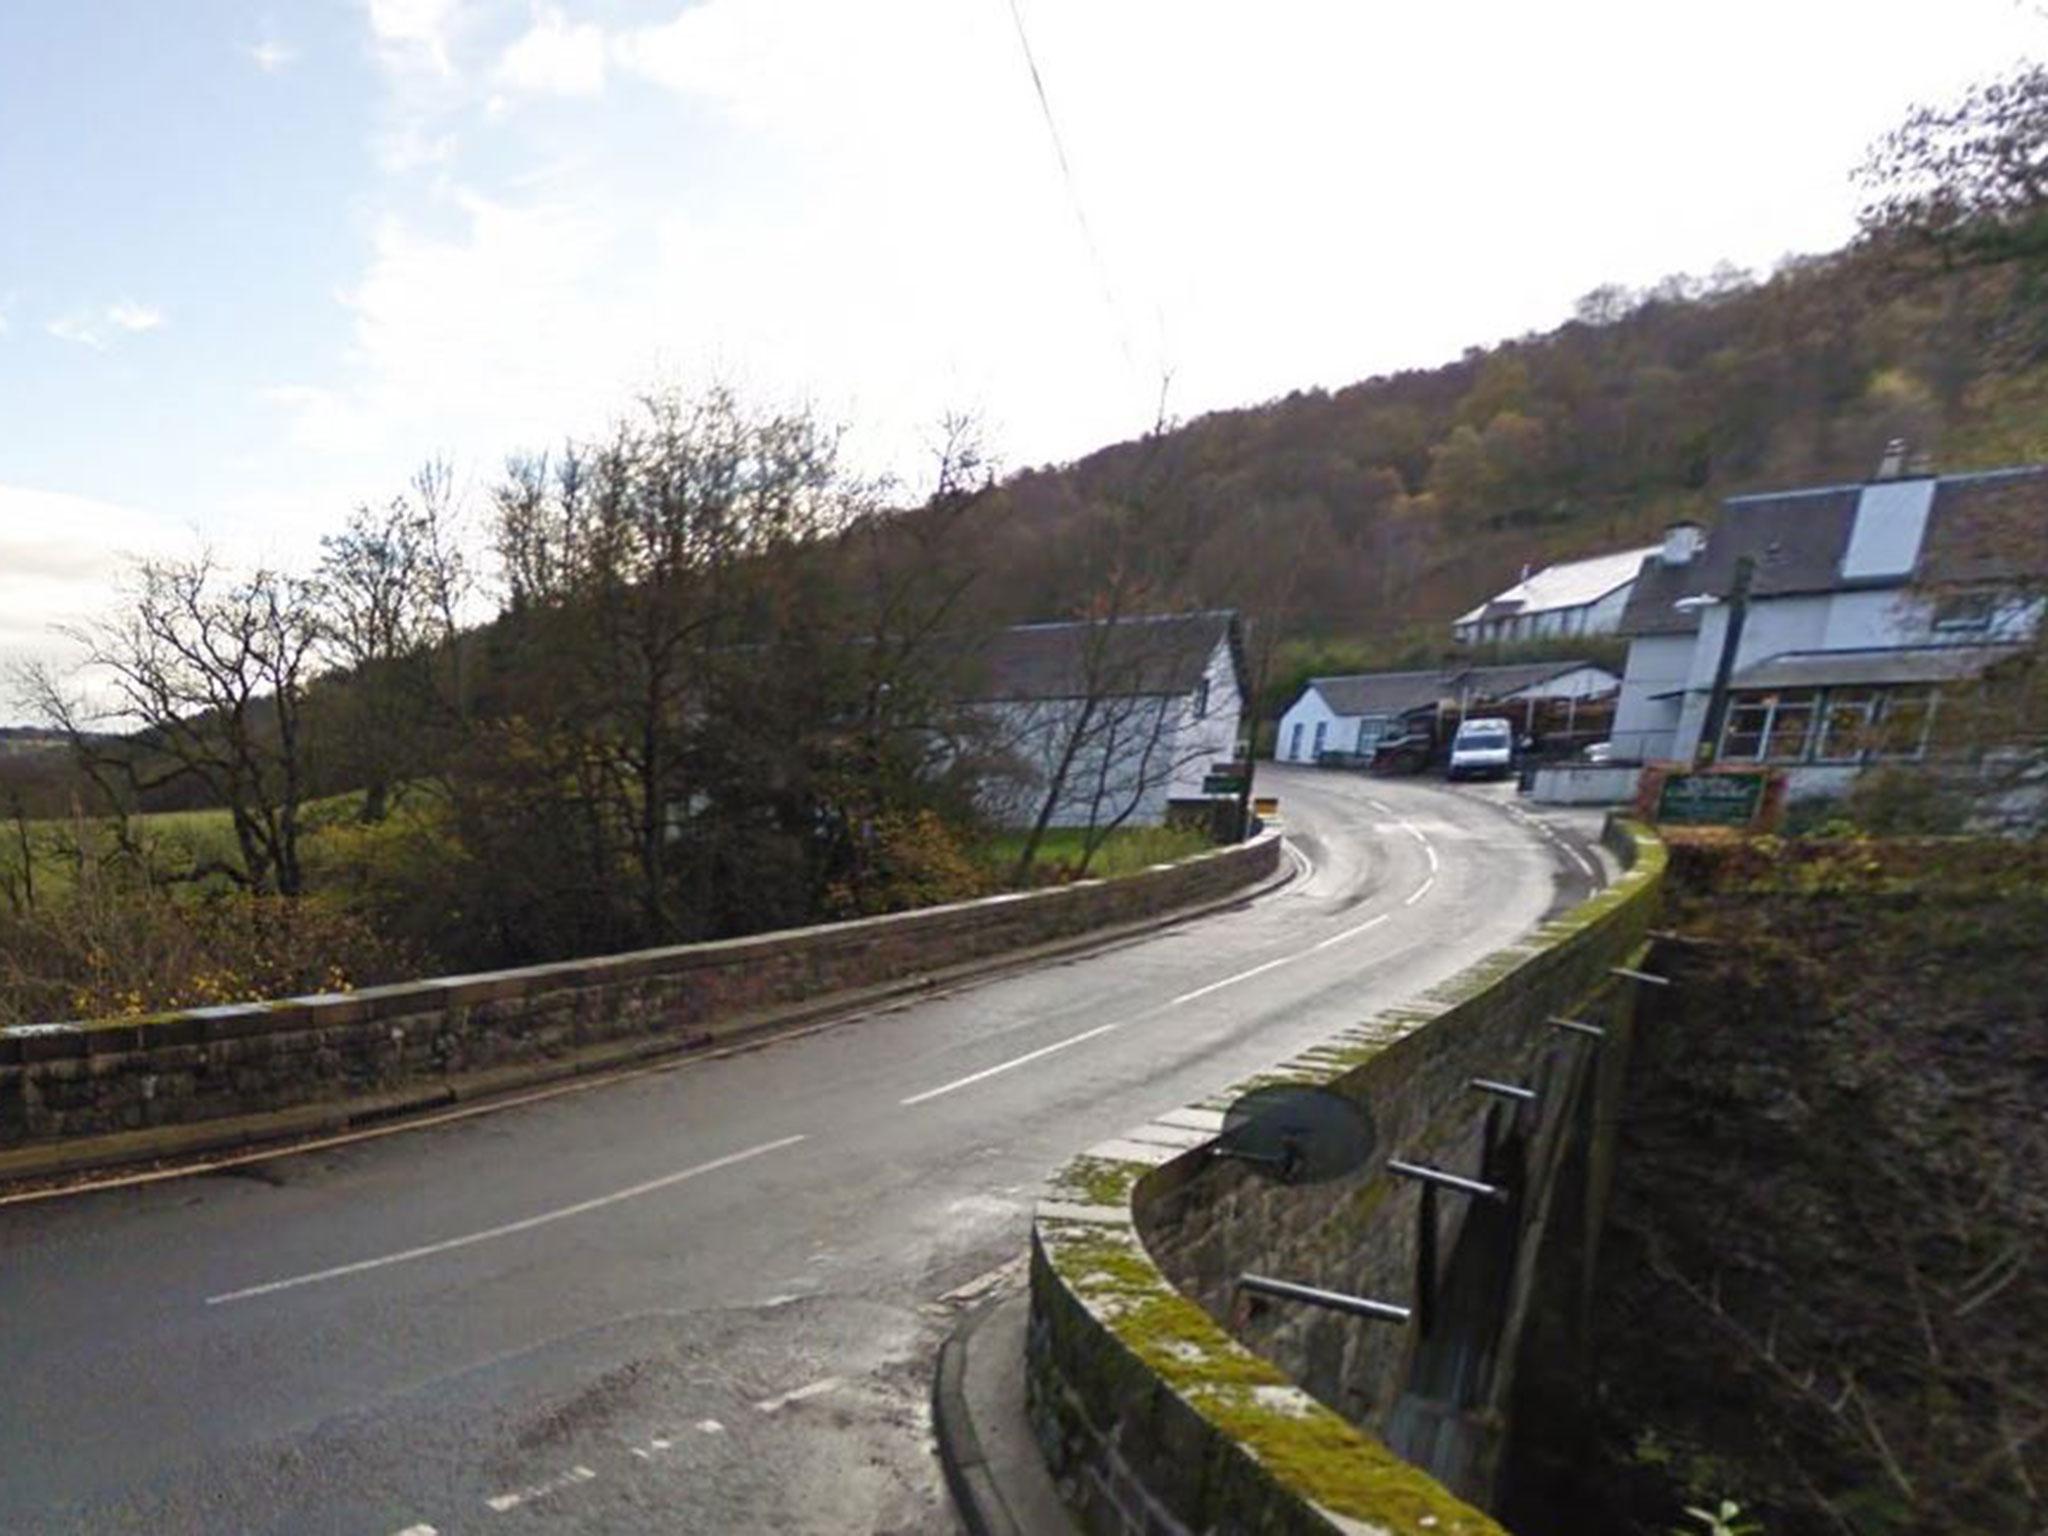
(1300, 1134)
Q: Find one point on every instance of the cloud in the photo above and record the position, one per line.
(59, 558)
(555, 58)
(91, 328)
(272, 55)
(130, 316)
(415, 34)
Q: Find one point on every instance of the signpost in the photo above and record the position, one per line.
(1718, 799)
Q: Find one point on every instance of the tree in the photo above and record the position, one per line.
(201, 680)
(1967, 182)
(652, 580)
(391, 587)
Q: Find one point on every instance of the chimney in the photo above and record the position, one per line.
(1681, 542)
(1893, 464)
(1920, 465)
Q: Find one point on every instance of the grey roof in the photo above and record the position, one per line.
(1148, 654)
(1396, 693)
(1382, 693)
(1895, 664)
(1981, 527)
(1505, 681)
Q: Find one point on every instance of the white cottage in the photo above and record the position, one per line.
(1866, 600)
(1117, 719)
(1574, 597)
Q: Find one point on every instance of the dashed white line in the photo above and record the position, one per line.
(527, 1224)
(711, 1426)
(1352, 933)
(1006, 1066)
(1231, 981)
(501, 1503)
(815, 1389)
(1419, 892)
(417, 1530)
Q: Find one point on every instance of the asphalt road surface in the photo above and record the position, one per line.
(707, 1298)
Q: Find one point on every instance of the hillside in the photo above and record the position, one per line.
(1400, 501)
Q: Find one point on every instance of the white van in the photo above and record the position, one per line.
(1483, 749)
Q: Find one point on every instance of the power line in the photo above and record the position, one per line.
(1059, 149)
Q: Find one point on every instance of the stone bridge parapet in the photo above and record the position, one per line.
(1169, 1400)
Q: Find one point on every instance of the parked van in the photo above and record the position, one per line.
(1483, 749)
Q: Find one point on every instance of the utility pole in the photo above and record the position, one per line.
(1731, 639)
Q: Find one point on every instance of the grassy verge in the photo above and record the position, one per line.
(1126, 851)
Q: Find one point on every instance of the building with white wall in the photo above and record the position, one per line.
(1351, 715)
(1865, 603)
(1575, 597)
(1112, 721)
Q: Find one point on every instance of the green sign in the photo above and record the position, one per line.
(1223, 784)
(1711, 799)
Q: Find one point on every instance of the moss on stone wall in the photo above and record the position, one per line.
(1313, 1457)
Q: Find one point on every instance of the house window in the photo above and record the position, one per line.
(1322, 729)
(1769, 727)
(1902, 728)
(1294, 743)
(1965, 611)
(1368, 733)
(1847, 724)
(1201, 698)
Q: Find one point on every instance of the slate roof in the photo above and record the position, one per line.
(1148, 654)
(1981, 527)
(1396, 693)
(1382, 693)
(1571, 584)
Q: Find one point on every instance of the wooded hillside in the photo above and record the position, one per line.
(1404, 500)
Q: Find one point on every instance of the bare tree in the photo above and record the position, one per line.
(200, 681)
(391, 587)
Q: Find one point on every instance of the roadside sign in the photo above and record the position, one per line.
(1223, 784)
(1711, 799)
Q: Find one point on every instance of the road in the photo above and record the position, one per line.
(706, 1298)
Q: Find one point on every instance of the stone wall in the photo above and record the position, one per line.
(1167, 1403)
(405, 1046)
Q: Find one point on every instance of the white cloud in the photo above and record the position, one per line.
(415, 33)
(60, 556)
(272, 55)
(555, 58)
(130, 316)
(90, 328)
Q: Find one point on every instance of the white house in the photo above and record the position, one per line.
(1577, 597)
(1865, 601)
(1112, 720)
(1353, 714)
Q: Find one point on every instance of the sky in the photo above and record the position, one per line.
(259, 261)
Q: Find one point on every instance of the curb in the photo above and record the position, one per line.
(125, 1155)
(976, 1496)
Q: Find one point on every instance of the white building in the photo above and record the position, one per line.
(1865, 601)
(1578, 597)
(1353, 714)
(1114, 721)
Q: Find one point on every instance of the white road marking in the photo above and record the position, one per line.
(1005, 1066)
(428, 1250)
(711, 1426)
(1352, 933)
(417, 1530)
(509, 1501)
(815, 1389)
(1419, 892)
(1231, 981)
